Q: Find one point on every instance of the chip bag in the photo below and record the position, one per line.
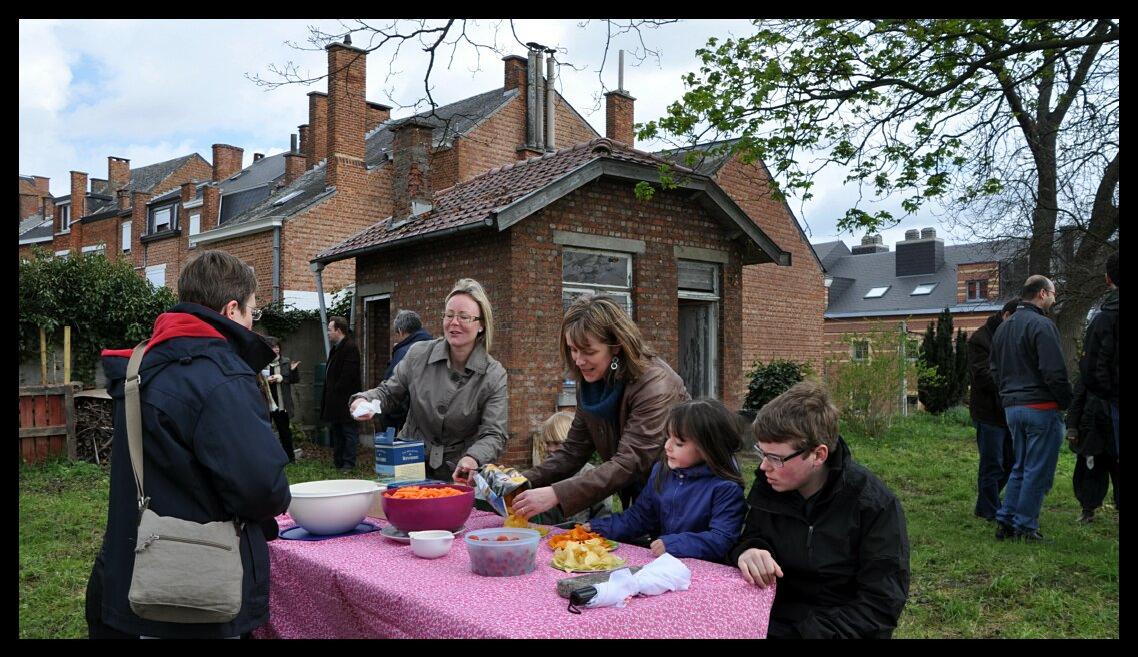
(497, 485)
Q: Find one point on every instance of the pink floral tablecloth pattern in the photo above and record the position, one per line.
(369, 586)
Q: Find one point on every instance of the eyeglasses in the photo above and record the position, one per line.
(257, 312)
(462, 317)
(778, 461)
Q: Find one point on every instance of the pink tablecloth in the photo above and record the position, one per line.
(370, 586)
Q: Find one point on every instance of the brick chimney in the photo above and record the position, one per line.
(318, 125)
(137, 225)
(871, 243)
(377, 113)
(515, 72)
(347, 114)
(211, 206)
(29, 205)
(78, 208)
(43, 185)
(294, 168)
(305, 143)
(118, 173)
(48, 207)
(123, 198)
(100, 186)
(411, 180)
(618, 117)
(189, 190)
(226, 161)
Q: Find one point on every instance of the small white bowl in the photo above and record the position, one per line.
(432, 543)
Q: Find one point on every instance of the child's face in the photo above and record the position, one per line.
(681, 453)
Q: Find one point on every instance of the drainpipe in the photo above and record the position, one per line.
(276, 263)
(318, 269)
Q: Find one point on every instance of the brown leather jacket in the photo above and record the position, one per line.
(627, 458)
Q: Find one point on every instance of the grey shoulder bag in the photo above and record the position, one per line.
(184, 572)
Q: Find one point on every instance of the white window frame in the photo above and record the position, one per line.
(154, 269)
(884, 289)
(96, 248)
(854, 349)
(923, 289)
(126, 229)
(152, 219)
(65, 253)
(195, 223)
(64, 211)
(978, 282)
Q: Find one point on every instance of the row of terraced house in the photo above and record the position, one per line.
(511, 187)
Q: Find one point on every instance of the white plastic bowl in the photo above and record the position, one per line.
(431, 543)
(332, 506)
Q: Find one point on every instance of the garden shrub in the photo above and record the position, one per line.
(869, 392)
(944, 373)
(771, 380)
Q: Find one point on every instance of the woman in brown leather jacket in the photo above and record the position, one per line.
(624, 393)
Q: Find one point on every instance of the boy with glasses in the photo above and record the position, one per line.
(828, 528)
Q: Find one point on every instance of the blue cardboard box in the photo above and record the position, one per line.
(401, 459)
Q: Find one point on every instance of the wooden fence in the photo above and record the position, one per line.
(47, 422)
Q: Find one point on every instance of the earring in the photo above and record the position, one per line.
(615, 365)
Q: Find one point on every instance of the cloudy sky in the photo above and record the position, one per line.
(151, 90)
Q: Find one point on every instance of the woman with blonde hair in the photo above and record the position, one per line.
(451, 381)
(624, 393)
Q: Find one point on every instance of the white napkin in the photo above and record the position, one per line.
(666, 573)
(367, 407)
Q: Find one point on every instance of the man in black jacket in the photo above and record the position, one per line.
(828, 527)
(1031, 376)
(1099, 365)
(1089, 434)
(993, 439)
(209, 453)
(341, 381)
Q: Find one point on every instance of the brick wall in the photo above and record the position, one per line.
(782, 306)
(989, 271)
(255, 250)
(521, 271)
(836, 330)
(619, 117)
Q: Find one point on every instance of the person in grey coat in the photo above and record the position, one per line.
(458, 403)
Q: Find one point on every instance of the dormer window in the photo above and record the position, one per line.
(161, 219)
(64, 212)
(978, 290)
(922, 289)
(877, 292)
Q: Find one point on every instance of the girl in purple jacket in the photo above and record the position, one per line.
(693, 505)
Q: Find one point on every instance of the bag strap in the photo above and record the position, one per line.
(134, 420)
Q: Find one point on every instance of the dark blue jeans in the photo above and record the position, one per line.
(345, 443)
(996, 460)
(1036, 437)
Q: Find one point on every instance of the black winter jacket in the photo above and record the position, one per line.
(209, 454)
(1027, 361)
(341, 381)
(1099, 365)
(1089, 420)
(845, 560)
(397, 416)
(984, 399)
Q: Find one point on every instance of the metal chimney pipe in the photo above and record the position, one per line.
(620, 74)
(292, 143)
(550, 76)
(531, 100)
(539, 108)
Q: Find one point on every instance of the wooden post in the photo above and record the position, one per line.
(43, 357)
(66, 354)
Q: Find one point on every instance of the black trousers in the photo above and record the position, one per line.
(1090, 483)
(284, 431)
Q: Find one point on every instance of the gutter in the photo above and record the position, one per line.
(276, 262)
(318, 270)
(229, 232)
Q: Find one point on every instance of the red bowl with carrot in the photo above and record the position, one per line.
(428, 506)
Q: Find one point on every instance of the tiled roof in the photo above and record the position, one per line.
(861, 273)
(474, 201)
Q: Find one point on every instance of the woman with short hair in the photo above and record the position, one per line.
(458, 403)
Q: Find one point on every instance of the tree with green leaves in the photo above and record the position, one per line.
(106, 303)
(1011, 125)
(944, 368)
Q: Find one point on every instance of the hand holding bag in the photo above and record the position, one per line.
(184, 572)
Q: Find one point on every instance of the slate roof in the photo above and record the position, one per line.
(829, 252)
(708, 163)
(854, 275)
(464, 116)
(42, 232)
(30, 223)
(143, 179)
(258, 174)
(475, 201)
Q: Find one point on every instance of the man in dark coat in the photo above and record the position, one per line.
(1099, 365)
(209, 453)
(279, 377)
(1090, 436)
(828, 528)
(341, 381)
(408, 329)
(1031, 376)
(993, 439)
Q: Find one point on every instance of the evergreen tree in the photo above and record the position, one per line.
(939, 385)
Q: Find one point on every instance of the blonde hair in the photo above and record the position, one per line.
(602, 318)
(473, 289)
(551, 432)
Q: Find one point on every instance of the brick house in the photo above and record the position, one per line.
(871, 285)
(541, 231)
(99, 215)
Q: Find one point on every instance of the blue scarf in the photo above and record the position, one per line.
(602, 399)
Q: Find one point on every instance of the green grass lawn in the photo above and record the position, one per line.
(964, 582)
